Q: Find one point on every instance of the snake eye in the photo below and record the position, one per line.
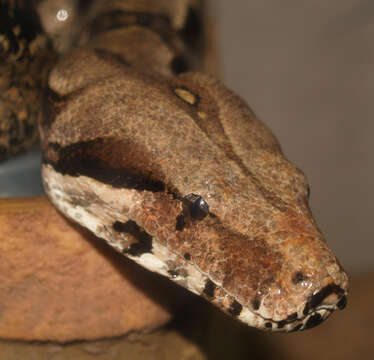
(195, 207)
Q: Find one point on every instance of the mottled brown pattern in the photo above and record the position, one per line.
(121, 124)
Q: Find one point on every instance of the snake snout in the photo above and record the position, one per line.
(320, 305)
(331, 296)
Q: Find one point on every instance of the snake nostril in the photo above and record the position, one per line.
(299, 278)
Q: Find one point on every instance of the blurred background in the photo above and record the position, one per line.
(306, 69)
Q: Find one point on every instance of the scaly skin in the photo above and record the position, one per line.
(177, 173)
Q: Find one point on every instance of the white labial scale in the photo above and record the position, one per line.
(248, 317)
(196, 280)
(155, 261)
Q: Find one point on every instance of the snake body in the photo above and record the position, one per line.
(175, 171)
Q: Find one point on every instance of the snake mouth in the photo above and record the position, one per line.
(307, 322)
(318, 308)
(326, 301)
(291, 323)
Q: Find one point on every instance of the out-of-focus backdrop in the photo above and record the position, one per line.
(306, 69)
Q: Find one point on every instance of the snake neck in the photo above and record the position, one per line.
(161, 38)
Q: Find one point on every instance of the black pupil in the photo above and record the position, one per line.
(199, 208)
(196, 206)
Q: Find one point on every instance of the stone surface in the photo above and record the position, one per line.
(160, 345)
(59, 283)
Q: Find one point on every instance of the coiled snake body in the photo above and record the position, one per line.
(174, 170)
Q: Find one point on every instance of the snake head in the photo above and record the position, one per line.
(180, 176)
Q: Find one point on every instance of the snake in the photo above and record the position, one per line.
(164, 162)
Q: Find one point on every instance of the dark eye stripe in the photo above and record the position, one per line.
(103, 160)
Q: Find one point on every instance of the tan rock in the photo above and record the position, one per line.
(57, 282)
(160, 345)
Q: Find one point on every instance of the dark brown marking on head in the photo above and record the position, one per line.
(313, 321)
(144, 244)
(209, 289)
(299, 277)
(173, 273)
(173, 193)
(235, 308)
(180, 223)
(316, 299)
(281, 324)
(195, 207)
(269, 325)
(187, 256)
(292, 317)
(110, 57)
(296, 328)
(342, 303)
(103, 160)
(256, 304)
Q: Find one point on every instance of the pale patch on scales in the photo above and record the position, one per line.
(100, 223)
(186, 95)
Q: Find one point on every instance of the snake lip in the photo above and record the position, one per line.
(335, 300)
(314, 317)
